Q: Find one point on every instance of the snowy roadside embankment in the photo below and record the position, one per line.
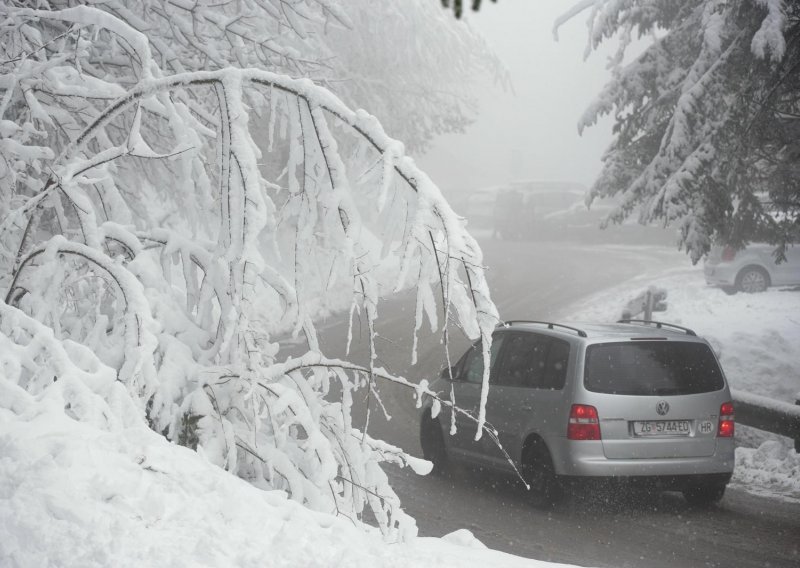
(756, 338)
(79, 488)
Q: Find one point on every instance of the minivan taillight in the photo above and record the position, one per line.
(728, 254)
(726, 420)
(583, 423)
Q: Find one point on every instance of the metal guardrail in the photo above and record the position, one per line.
(778, 417)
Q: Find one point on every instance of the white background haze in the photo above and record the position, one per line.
(529, 132)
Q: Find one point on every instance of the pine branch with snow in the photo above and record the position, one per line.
(705, 117)
(160, 247)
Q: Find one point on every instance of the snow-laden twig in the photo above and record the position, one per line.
(145, 221)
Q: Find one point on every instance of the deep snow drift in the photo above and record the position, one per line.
(76, 494)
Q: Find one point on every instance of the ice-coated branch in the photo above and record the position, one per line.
(312, 361)
(183, 251)
(439, 218)
(138, 372)
(38, 364)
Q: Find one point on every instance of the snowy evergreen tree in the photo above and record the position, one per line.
(707, 117)
(146, 236)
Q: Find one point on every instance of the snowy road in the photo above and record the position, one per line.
(539, 281)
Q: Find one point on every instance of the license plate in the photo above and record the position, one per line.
(661, 428)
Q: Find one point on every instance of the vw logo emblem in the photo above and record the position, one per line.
(662, 407)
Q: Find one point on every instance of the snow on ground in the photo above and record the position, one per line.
(78, 494)
(756, 337)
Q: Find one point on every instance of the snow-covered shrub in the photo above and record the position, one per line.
(146, 234)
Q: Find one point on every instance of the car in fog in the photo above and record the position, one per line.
(642, 402)
(752, 269)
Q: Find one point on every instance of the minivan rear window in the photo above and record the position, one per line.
(652, 368)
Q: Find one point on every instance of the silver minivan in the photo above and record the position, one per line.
(643, 402)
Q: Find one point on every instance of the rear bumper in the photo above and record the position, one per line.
(586, 459)
(663, 482)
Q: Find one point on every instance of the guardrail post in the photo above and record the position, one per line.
(653, 299)
(797, 440)
(648, 304)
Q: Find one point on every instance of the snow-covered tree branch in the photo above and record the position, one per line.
(172, 210)
(705, 134)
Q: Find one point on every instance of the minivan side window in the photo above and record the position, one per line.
(534, 361)
(472, 371)
(555, 372)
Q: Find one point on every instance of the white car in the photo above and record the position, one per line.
(752, 269)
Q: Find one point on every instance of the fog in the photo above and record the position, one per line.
(528, 132)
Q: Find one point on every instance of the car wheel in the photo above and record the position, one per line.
(704, 495)
(752, 279)
(545, 490)
(432, 442)
(729, 290)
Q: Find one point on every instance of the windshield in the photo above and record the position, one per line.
(652, 368)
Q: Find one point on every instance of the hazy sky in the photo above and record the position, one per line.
(530, 133)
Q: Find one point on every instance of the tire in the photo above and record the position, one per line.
(432, 441)
(729, 290)
(539, 473)
(704, 495)
(752, 279)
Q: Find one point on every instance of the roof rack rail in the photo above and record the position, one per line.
(659, 325)
(549, 324)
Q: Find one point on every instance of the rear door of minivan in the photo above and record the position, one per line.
(656, 398)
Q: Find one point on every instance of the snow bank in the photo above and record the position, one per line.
(78, 494)
(756, 338)
(771, 469)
